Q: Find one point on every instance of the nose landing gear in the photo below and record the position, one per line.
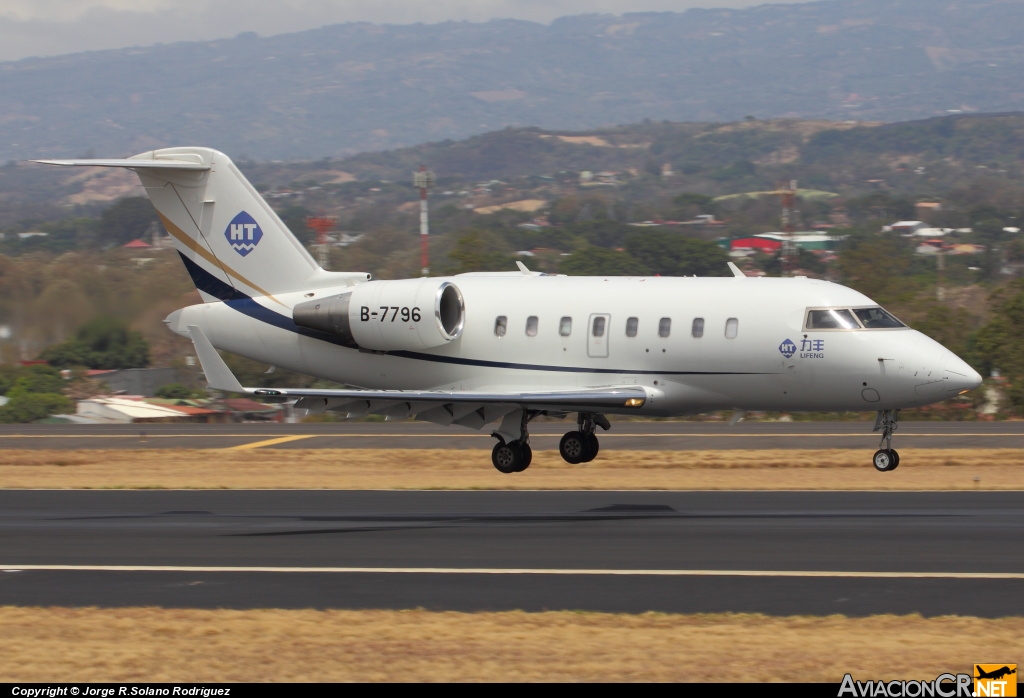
(886, 459)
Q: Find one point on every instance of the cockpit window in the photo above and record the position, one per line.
(831, 319)
(876, 318)
(873, 318)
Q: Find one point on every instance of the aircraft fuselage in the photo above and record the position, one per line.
(699, 343)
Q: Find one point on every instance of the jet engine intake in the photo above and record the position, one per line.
(406, 314)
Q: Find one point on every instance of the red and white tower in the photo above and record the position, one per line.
(423, 179)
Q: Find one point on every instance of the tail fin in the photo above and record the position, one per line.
(231, 241)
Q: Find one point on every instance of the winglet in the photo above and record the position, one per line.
(735, 269)
(218, 375)
(522, 268)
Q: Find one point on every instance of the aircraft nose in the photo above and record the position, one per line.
(959, 375)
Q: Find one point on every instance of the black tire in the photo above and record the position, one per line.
(895, 459)
(573, 447)
(525, 457)
(883, 460)
(593, 446)
(506, 457)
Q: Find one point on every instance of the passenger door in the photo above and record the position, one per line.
(597, 335)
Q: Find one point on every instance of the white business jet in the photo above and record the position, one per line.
(482, 348)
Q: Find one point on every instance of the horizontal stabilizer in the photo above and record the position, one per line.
(133, 164)
(218, 375)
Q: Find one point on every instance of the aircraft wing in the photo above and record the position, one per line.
(471, 408)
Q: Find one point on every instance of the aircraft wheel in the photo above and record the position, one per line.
(885, 460)
(526, 457)
(895, 458)
(573, 447)
(506, 457)
(593, 446)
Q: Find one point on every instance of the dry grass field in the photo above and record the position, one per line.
(149, 644)
(350, 469)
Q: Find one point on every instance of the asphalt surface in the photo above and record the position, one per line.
(777, 553)
(662, 435)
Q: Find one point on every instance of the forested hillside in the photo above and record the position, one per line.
(649, 198)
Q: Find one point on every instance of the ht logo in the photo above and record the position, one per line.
(243, 233)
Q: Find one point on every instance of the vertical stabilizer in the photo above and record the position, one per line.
(231, 241)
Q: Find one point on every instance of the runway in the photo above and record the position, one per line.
(625, 435)
(778, 553)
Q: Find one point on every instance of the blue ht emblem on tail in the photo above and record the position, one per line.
(243, 233)
(788, 348)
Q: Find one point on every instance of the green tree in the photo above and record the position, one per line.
(29, 407)
(102, 343)
(294, 217)
(1000, 343)
(688, 206)
(35, 393)
(126, 220)
(599, 261)
(175, 391)
(480, 250)
(875, 264)
(671, 254)
(36, 379)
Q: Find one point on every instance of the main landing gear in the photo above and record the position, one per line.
(512, 453)
(886, 459)
(581, 446)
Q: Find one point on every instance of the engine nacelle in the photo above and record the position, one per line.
(409, 314)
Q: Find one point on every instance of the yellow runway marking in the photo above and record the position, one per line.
(526, 571)
(268, 442)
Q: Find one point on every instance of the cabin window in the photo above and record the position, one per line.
(631, 324)
(598, 327)
(698, 327)
(876, 318)
(531, 326)
(565, 326)
(664, 326)
(732, 327)
(500, 325)
(833, 319)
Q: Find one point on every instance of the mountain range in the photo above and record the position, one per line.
(358, 87)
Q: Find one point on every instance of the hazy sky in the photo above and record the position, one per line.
(52, 27)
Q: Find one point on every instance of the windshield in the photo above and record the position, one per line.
(872, 318)
(831, 319)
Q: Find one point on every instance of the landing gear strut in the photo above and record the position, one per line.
(513, 456)
(581, 446)
(886, 459)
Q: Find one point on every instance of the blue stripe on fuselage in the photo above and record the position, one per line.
(235, 299)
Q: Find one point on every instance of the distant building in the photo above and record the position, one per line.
(122, 410)
(926, 209)
(770, 243)
(905, 227)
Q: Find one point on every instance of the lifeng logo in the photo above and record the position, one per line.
(995, 680)
(243, 233)
(788, 348)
